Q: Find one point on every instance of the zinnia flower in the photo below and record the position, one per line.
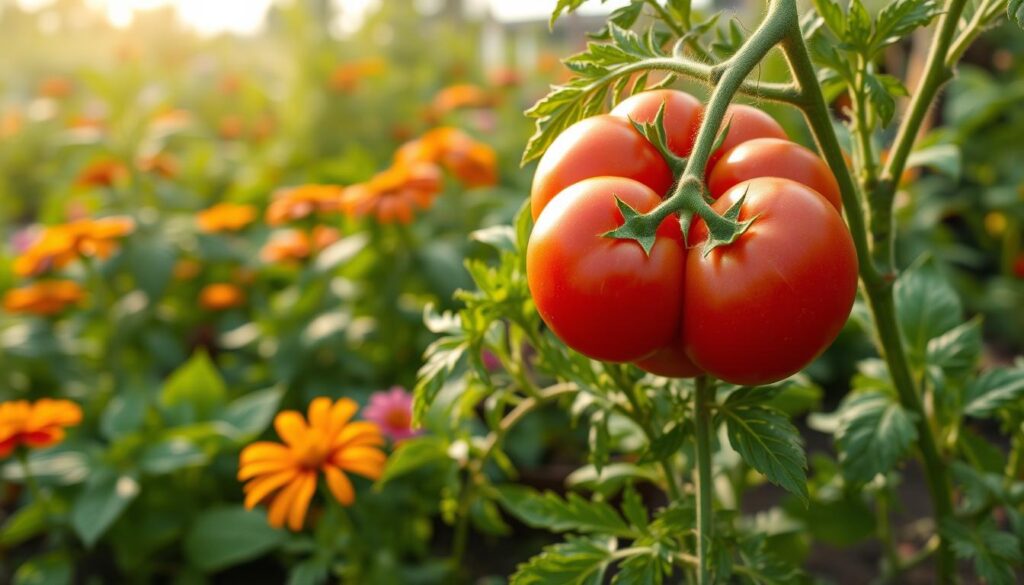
(472, 162)
(221, 296)
(55, 87)
(44, 298)
(346, 76)
(231, 127)
(294, 203)
(286, 474)
(456, 97)
(59, 245)
(225, 217)
(34, 425)
(297, 245)
(161, 164)
(101, 173)
(393, 195)
(392, 411)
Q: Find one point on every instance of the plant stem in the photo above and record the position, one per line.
(703, 398)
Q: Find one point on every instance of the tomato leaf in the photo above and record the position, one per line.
(956, 351)
(564, 7)
(53, 568)
(414, 454)
(573, 513)
(900, 18)
(927, 306)
(995, 553)
(874, 432)
(994, 390)
(766, 440)
(577, 561)
(1015, 12)
(104, 499)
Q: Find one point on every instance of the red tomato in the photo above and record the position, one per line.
(602, 296)
(762, 308)
(682, 115)
(671, 362)
(774, 157)
(594, 147)
(745, 123)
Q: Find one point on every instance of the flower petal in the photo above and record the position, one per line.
(282, 503)
(342, 412)
(291, 427)
(366, 461)
(258, 489)
(320, 413)
(265, 467)
(299, 506)
(340, 486)
(263, 451)
(358, 433)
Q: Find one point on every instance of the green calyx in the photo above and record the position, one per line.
(655, 133)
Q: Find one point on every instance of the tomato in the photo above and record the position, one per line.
(682, 115)
(593, 147)
(670, 361)
(762, 308)
(774, 157)
(603, 296)
(745, 123)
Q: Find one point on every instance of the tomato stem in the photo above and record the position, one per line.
(703, 398)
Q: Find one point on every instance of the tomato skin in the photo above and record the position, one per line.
(682, 115)
(670, 361)
(602, 296)
(597, 146)
(745, 123)
(774, 157)
(762, 308)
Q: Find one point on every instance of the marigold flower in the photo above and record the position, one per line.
(221, 296)
(226, 217)
(289, 246)
(11, 122)
(162, 164)
(346, 76)
(293, 203)
(170, 120)
(101, 173)
(55, 87)
(505, 77)
(473, 163)
(286, 474)
(231, 127)
(392, 411)
(461, 96)
(392, 195)
(35, 425)
(58, 245)
(44, 298)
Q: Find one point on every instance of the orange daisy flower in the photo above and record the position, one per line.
(161, 164)
(455, 97)
(295, 203)
(58, 245)
(286, 474)
(11, 122)
(392, 195)
(346, 76)
(55, 87)
(226, 217)
(170, 120)
(473, 163)
(221, 296)
(231, 127)
(101, 173)
(43, 298)
(289, 246)
(35, 425)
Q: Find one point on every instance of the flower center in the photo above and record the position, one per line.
(314, 452)
(397, 418)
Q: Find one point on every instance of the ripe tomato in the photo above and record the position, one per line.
(682, 115)
(745, 123)
(670, 361)
(774, 157)
(760, 309)
(594, 147)
(602, 296)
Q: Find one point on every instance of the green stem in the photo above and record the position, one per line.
(32, 484)
(703, 398)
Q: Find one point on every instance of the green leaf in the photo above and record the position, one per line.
(226, 536)
(194, 391)
(124, 414)
(25, 523)
(766, 439)
(833, 15)
(440, 360)
(956, 351)
(874, 433)
(251, 414)
(668, 443)
(900, 18)
(633, 508)
(151, 259)
(642, 569)
(993, 390)
(170, 455)
(499, 237)
(550, 511)
(599, 440)
(882, 91)
(310, 572)
(101, 502)
(943, 158)
(858, 24)
(577, 561)
(414, 454)
(996, 554)
(1015, 12)
(927, 306)
(564, 7)
(50, 569)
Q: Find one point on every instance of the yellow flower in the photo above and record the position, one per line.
(43, 298)
(225, 217)
(39, 424)
(221, 296)
(286, 474)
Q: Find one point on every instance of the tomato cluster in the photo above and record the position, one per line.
(750, 312)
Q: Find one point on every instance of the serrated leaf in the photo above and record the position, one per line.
(956, 351)
(944, 158)
(766, 440)
(599, 440)
(833, 15)
(441, 359)
(927, 306)
(993, 390)
(100, 503)
(995, 553)
(643, 569)
(874, 432)
(578, 561)
(413, 454)
(900, 18)
(881, 92)
(858, 25)
(573, 513)
(633, 508)
(564, 7)
(1015, 12)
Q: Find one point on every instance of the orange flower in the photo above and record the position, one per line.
(170, 120)
(294, 203)
(187, 269)
(11, 122)
(101, 173)
(225, 217)
(505, 77)
(472, 162)
(58, 245)
(230, 84)
(286, 474)
(231, 127)
(296, 245)
(393, 194)
(55, 87)
(161, 164)
(39, 424)
(455, 97)
(43, 298)
(221, 296)
(346, 76)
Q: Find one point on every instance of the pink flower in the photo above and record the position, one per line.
(23, 238)
(392, 411)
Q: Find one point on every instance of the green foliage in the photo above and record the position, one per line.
(874, 432)
(577, 561)
(105, 497)
(573, 513)
(995, 554)
(223, 537)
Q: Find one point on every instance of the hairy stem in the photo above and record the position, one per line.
(703, 398)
